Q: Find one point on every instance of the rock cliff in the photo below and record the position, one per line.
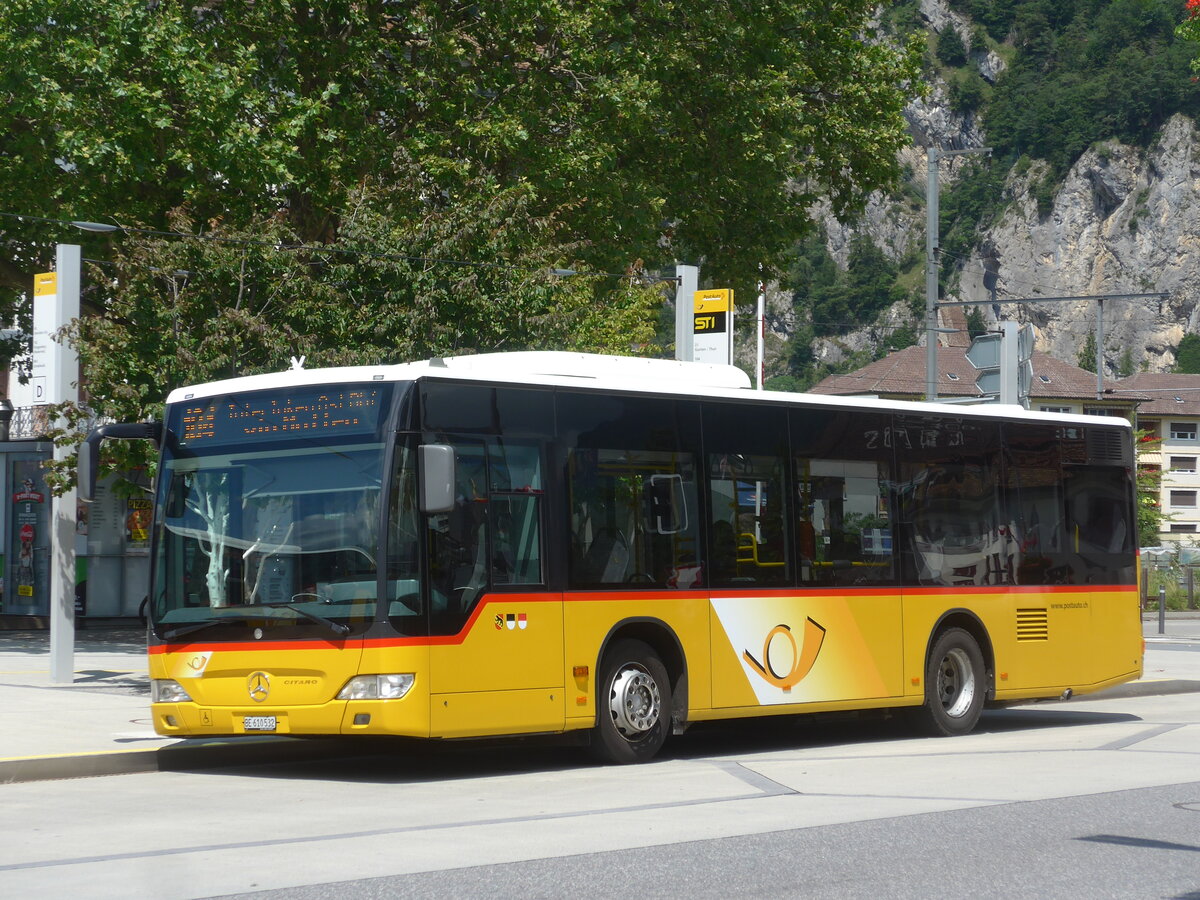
(1123, 221)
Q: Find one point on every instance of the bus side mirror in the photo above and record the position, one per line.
(86, 466)
(437, 477)
(88, 463)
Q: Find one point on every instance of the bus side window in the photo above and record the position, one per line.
(952, 515)
(746, 472)
(1100, 530)
(632, 492)
(515, 508)
(843, 490)
(746, 501)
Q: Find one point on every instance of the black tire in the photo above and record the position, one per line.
(955, 685)
(633, 700)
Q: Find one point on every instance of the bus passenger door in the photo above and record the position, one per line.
(496, 660)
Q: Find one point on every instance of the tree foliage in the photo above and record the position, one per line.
(1086, 358)
(951, 50)
(645, 132)
(1085, 71)
(834, 301)
(829, 301)
(192, 310)
(1187, 356)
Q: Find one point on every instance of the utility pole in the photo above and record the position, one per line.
(932, 263)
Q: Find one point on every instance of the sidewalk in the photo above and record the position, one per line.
(100, 723)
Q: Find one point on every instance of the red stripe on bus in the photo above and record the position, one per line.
(635, 597)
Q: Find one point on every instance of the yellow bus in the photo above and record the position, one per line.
(531, 543)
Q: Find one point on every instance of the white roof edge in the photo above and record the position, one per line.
(633, 373)
(531, 366)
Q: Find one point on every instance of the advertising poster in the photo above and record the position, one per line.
(29, 514)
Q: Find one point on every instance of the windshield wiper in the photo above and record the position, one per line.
(335, 627)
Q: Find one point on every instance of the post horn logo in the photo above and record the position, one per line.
(803, 657)
(259, 686)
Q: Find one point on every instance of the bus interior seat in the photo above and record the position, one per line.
(607, 558)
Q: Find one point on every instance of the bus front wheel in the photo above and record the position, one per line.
(954, 685)
(633, 704)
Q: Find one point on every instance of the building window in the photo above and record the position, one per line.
(1055, 409)
(1100, 411)
(1183, 529)
(1181, 499)
(1183, 431)
(1183, 464)
(1152, 429)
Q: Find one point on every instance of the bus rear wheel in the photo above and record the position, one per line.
(634, 704)
(955, 685)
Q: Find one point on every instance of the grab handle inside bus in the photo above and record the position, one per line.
(437, 478)
(89, 452)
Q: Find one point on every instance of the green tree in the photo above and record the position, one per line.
(951, 50)
(1187, 356)
(641, 146)
(1087, 353)
(192, 310)
(1087, 72)
(975, 322)
(1125, 366)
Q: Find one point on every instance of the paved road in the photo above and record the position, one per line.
(1084, 799)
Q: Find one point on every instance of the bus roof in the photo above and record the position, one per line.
(618, 373)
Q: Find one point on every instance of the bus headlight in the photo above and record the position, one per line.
(167, 690)
(377, 687)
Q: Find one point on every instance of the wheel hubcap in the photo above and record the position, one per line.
(956, 683)
(634, 701)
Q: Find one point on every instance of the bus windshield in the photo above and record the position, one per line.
(269, 512)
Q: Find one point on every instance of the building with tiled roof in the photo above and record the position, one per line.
(1170, 410)
(1057, 386)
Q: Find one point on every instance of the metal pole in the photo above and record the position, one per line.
(762, 331)
(1008, 362)
(1100, 349)
(63, 382)
(931, 274)
(687, 280)
(1162, 609)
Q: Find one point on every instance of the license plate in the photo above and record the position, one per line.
(258, 723)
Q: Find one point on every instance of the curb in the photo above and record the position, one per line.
(185, 756)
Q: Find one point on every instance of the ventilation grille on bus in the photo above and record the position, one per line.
(1033, 625)
(1106, 445)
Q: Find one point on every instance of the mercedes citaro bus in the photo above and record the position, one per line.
(539, 543)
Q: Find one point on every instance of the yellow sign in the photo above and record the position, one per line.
(713, 301)
(44, 284)
(712, 326)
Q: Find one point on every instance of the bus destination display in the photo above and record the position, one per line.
(318, 411)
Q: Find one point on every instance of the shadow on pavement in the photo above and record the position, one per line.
(385, 760)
